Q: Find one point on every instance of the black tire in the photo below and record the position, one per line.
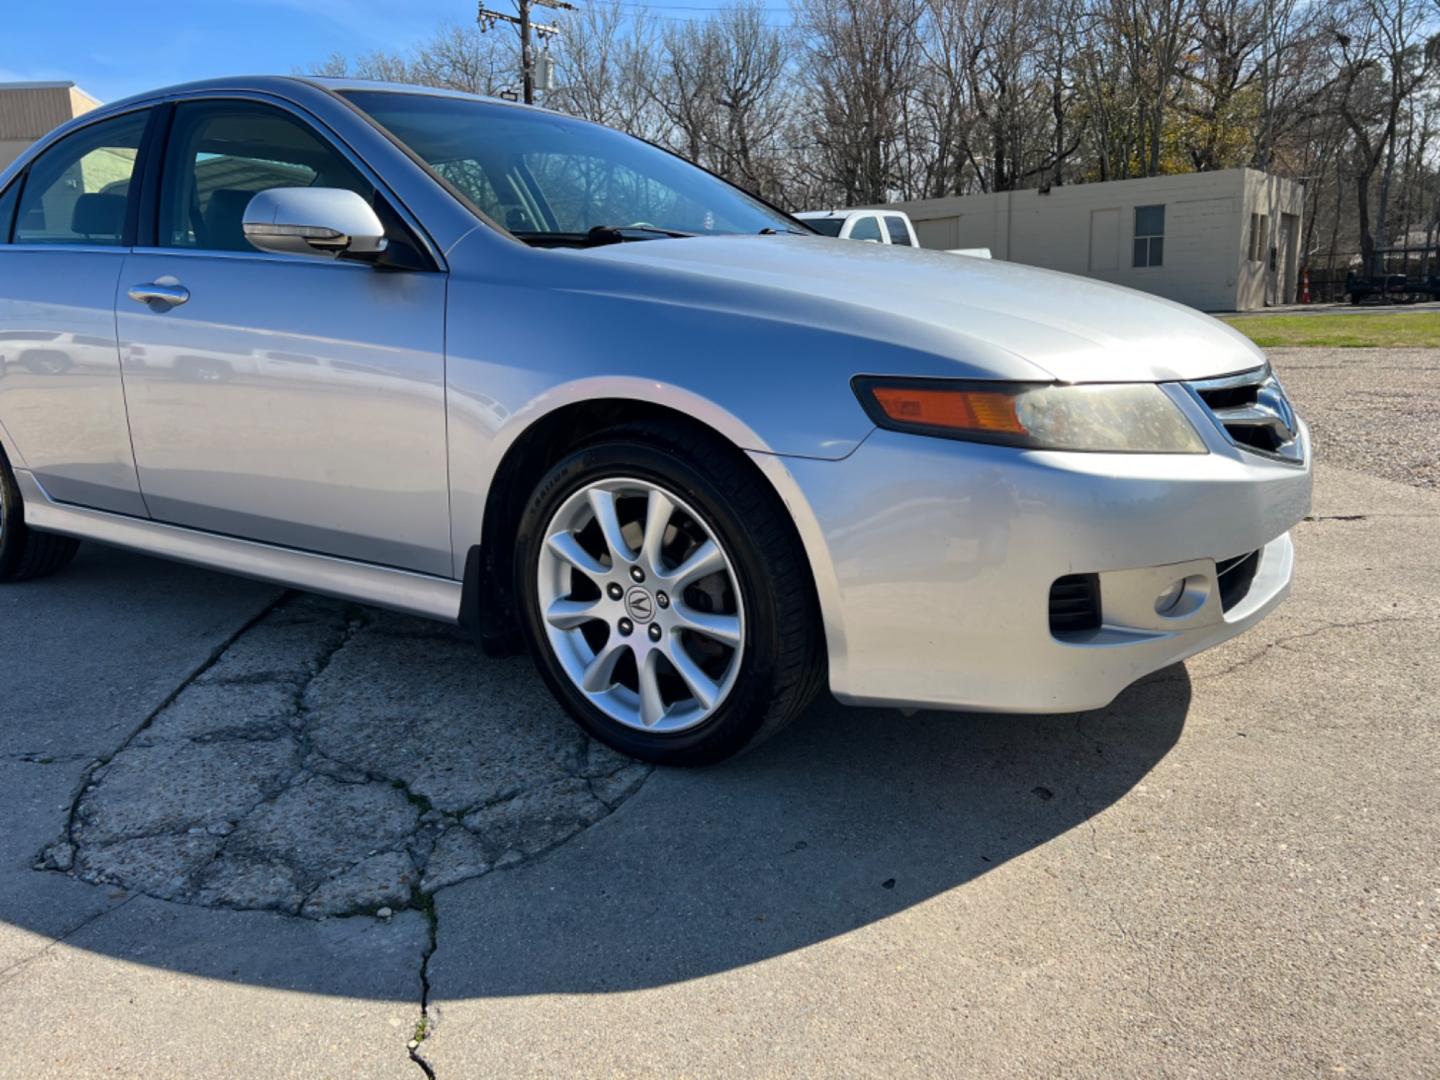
(781, 662)
(24, 552)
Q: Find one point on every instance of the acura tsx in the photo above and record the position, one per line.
(488, 364)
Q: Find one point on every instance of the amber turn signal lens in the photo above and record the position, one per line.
(960, 410)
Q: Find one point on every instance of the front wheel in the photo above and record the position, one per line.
(665, 596)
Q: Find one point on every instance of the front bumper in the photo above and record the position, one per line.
(934, 559)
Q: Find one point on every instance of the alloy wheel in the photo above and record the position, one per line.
(641, 605)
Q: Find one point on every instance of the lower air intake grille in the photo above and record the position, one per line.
(1075, 604)
(1236, 576)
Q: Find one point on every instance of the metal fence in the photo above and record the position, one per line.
(1403, 275)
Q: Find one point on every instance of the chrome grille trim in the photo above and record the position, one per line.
(1253, 412)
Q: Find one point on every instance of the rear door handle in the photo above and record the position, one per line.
(164, 294)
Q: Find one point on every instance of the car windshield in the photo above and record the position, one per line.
(553, 180)
(826, 226)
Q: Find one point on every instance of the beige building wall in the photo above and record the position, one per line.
(1271, 254)
(30, 110)
(1089, 229)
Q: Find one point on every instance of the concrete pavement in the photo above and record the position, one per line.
(1232, 870)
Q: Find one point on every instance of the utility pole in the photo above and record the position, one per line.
(527, 29)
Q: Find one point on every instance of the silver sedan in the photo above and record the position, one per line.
(500, 367)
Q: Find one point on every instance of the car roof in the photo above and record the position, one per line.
(281, 83)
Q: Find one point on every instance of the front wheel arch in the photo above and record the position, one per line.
(488, 609)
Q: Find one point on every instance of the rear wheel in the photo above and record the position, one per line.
(25, 553)
(666, 597)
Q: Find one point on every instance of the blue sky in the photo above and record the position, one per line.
(115, 48)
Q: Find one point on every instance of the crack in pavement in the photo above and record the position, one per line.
(1323, 518)
(328, 760)
(1265, 650)
(271, 781)
(11, 969)
(426, 1024)
(40, 757)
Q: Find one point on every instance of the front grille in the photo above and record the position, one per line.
(1075, 604)
(1235, 576)
(1252, 410)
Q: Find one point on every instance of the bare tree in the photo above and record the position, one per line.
(1055, 66)
(862, 101)
(464, 58)
(607, 68)
(454, 57)
(1382, 56)
(861, 60)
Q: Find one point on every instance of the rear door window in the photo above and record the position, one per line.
(78, 191)
(866, 228)
(899, 234)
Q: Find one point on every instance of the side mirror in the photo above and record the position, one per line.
(313, 221)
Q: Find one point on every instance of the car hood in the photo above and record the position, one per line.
(983, 313)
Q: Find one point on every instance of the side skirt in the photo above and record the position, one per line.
(399, 590)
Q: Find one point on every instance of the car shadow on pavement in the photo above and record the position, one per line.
(844, 819)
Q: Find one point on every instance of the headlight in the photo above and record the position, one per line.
(1124, 418)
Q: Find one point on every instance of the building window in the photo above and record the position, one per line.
(1149, 235)
(1259, 229)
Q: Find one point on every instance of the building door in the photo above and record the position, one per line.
(1280, 263)
(1285, 258)
(1104, 241)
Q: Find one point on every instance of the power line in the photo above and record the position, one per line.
(701, 14)
(641, 6)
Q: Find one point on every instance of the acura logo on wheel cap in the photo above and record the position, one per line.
(640, 605)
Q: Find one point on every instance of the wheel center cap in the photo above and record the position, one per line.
(640, 605)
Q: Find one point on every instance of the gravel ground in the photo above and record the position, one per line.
(1375, 411)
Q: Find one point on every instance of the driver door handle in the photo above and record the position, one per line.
(161, 294)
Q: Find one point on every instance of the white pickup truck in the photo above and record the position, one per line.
(876, 226)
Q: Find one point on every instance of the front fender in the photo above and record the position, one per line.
(518, 350)
(482, 431)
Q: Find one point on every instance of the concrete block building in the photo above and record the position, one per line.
(30, 109)
(1218, 241)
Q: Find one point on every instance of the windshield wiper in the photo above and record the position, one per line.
(772, 231)
(615, 234)
(596, 237)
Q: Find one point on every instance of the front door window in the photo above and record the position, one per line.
(222, 154)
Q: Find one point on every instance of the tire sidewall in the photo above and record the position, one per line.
(740, 716)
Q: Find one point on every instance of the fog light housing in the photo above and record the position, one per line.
(1183, 597)
(1170, 597)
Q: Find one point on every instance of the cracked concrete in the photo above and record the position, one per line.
(334, 760)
